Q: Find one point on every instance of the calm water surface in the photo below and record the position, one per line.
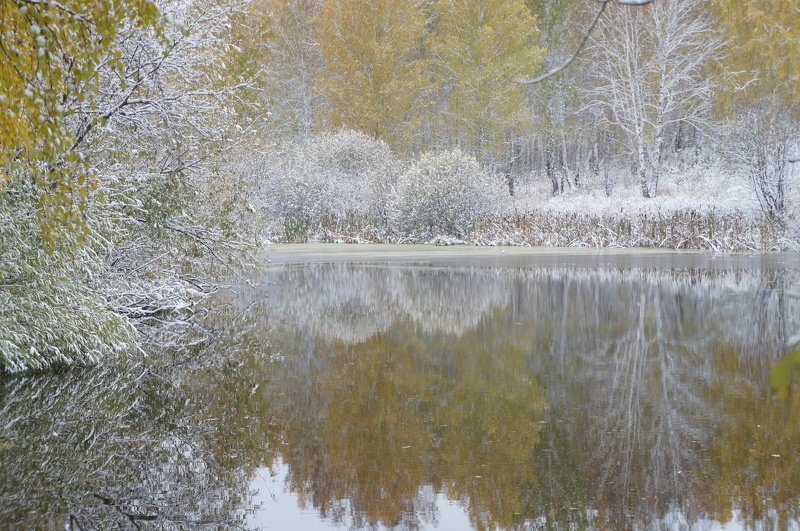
(435, 389)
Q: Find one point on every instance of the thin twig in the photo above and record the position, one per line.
(583, 42)
(574, 56)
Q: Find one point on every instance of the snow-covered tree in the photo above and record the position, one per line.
(276, 42)
(758, 93)
(760, 145)
(144, 226)
(49, 57)
(650, 68)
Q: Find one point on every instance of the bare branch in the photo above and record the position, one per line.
(583, 42)
(574, 56)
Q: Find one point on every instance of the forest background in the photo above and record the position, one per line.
(147, 148)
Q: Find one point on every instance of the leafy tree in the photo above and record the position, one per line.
(373, 74)
(478, 49)
(50, 53)
(758, 92)
(275, 45)
(79, 267)
(762, 53)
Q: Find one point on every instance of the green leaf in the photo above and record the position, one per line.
(782, 375)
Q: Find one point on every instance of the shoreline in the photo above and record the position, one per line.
(377, 254)
(680, 230)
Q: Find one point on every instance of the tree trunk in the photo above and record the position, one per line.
(641, 168)
(549, 162)
(564, 167)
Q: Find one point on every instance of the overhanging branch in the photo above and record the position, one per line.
(583, 42)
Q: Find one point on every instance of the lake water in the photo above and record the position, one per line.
(425, 388)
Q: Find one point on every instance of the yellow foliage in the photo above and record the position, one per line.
(373, 72)
(479, 49)
(762, 58)
(752, 465)
(393, 419)
(49, 54)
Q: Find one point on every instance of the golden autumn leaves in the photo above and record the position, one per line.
(50, 54)
(762, 56)
(412, 73)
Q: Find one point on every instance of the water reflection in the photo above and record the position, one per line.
(343, 303)
(526, 397)
(377, 421)
(103, 449)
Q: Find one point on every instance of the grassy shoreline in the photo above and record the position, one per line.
(685, 229)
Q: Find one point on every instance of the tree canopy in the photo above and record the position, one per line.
(373, 73)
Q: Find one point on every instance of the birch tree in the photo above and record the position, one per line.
(169, 123)
(557, 101)
(650, 65)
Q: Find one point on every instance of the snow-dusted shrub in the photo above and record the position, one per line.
(153, 248)
(444, 194)
(331, 177)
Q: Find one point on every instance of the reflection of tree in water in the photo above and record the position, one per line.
(449, 300)
(394, 416)
(643, 345)
(335, 303)
(625, 355)
(753, 464)
(352, 304)
(353, 436)
(108, 449)
(166, 445)
(612, 399)
(655, 417)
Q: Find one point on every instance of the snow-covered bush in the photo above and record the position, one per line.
(444, 194)
(331, 177)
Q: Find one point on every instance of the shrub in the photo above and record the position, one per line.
(331, 177)
(443, 194)
(153, 248)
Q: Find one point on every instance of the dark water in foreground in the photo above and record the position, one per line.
(523, 392)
